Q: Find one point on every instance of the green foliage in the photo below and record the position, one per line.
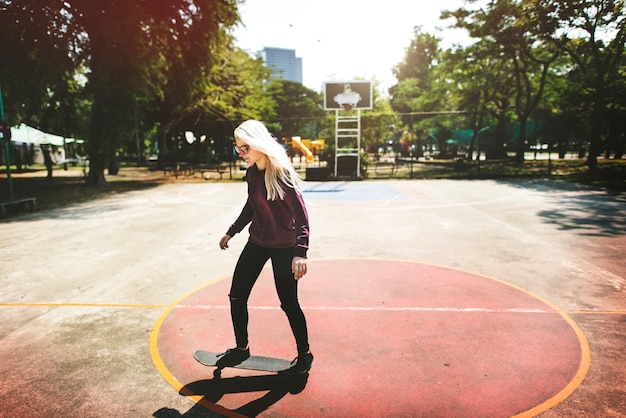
(515, 28)
(517, 70)
(297, 110)
(415, 76)
(147, 63)
(598, 55)
(133, 77)
(37, 71)
(379, 126)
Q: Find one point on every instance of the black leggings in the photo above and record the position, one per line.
(249, 266)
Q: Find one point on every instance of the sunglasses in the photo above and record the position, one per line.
(242, 150)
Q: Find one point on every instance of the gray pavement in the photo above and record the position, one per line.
(83, 286)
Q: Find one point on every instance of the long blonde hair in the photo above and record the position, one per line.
(279, 168)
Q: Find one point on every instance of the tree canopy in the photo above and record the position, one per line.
(507, 82)
(135, 76)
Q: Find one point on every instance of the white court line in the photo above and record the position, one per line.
(461, 204)
(378, 309)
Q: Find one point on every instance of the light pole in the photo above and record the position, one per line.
(6, 138)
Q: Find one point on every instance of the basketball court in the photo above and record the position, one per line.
(423, 298)
(414, 337)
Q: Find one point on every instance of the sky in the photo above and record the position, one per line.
(344, 40)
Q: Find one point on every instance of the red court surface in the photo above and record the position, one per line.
(390, 338)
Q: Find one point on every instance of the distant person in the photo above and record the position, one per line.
(47, 159)
(31, 154)
(19, 158)
(279, 231)
(28, 161)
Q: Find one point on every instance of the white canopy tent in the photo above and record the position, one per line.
(32, 139)
(29, 135)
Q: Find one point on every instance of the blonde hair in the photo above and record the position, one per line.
(279, 169)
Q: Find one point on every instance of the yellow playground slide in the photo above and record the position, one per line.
(297, 142)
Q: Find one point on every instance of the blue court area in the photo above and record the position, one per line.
(354, 191)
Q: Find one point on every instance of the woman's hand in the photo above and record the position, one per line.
(224, 242)
(298, 267)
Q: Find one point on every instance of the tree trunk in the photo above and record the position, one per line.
(96, 172)
(521, 140)
(497, 150)
(595, 143)
(96, 149)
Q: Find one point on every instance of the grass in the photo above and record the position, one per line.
(610, 174)
(68, 187)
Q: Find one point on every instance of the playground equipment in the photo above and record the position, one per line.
(298, 143)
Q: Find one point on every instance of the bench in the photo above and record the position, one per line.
(385, 166)
(28, 203)
(219, 169)
(178, 169)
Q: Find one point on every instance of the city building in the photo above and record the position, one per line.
(283, 63)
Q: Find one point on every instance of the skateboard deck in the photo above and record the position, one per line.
(266, 364)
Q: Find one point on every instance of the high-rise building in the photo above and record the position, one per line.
(283, 63)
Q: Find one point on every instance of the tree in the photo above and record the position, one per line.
(297, 108)
(38, 71)
(596, 33)
(153, 54)
(233, 91)
(414, 91)
(485, 86)
(414, 75)
(381, 125)
(519, 29)
(160, 50)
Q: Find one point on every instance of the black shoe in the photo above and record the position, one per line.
(302, 365)
(232, 357)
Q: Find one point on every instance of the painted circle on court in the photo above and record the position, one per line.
(390, 338)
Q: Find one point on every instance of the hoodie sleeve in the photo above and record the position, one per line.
(245, 217)
(301, 222)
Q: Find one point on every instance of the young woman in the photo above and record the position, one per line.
(279, 231)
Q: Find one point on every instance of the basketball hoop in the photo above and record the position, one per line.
(347, 106)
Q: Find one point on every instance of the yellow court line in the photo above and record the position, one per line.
(584, 344)
(576, 381)
(591, 311)
(160, 364)
(585, 351)
(548, 404)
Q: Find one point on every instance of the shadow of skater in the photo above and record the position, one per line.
(197, 411)
(278, 386)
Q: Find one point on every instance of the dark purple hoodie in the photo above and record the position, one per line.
(280, 223)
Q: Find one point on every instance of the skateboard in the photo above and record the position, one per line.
(266, 364)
